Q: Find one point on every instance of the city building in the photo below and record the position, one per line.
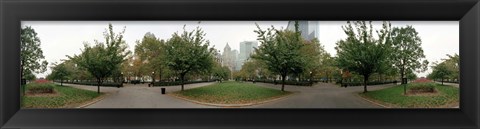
(246, 49)
(309, 29)
(229, 57)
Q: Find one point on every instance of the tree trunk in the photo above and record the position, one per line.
(99, 82)
(61, 82)
(283, 82)
(365, 80)
(402, 74)
(442, 81)
(183, 78)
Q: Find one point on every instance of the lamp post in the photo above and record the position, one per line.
(153, 78)
(122, 79)
(311, 82)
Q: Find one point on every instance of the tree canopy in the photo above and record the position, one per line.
(188, 52)
(407, 52)
(60, 72)
(361, 52)
(150, 53)
(104, 58)
(31, 55)
(280, 50)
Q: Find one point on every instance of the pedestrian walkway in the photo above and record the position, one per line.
(141, 96)
(321, 95)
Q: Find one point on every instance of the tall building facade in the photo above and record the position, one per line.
(246, 49)
(229, 57)
(309, 29)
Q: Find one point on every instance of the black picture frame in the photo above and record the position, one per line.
(14, 11)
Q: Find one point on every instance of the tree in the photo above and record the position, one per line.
(315, 58)
(103, 59)
(60, 72)
(150, 52)
(453, 64)
(280, 50)
(221, 72)
(407, 51)
(31, 55)
(188, 52)
(360, 52)
(440, 71)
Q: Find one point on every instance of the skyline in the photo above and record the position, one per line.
(438, 37)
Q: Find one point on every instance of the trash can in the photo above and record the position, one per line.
(163, 90)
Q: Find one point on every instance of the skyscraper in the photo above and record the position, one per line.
(229, 57)
(246, 49)
(309, 29)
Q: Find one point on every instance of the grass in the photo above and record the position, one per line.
(231, 93)
(446, 96)
(65, 97)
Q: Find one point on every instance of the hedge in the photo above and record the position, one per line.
(40, 88)
(175, 83)
(294, 83)
(105, 84)
(368, 83)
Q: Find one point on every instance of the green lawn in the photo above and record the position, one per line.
(66, 97)
(447, 96)
(231, 93)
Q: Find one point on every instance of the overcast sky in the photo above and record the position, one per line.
(60, 38)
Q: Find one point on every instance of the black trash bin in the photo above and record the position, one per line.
(163, 90)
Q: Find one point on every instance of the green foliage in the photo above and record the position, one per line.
(150, 56)
(453, 64)
(188, 52)
(280, 50)
(394, 97)
(66, 97)
(440, 71)
(221, 73)
(231, 93)
(292, 83)
(407, 51)
(59, 72)
(36, 88)
(176, 83)
(31, 55)
(360, 52)
(422, 87)
(104, 84)
(103, 59)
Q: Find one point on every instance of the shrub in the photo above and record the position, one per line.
(294, 83)
(93, 83)
(422, 87)
(36, 88)
(368, 83)
(178, 83)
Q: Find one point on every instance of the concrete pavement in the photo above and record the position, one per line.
(141, 96)
(321, 95)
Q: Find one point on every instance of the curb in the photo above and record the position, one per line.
(232, 105)
(378, 104)
(94, 101)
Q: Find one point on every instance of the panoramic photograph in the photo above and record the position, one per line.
(240, 64)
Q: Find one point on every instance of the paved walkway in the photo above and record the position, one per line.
(321, 95)
(450, 84)
(141, 96)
